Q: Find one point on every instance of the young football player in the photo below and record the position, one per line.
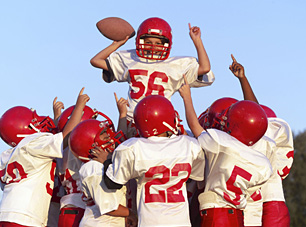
(161, 161)
(270, 209)
(104, 207)
(27, 170)
(148, 69)
(72, 206)
(232, 166)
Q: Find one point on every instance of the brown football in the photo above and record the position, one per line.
(115, 28)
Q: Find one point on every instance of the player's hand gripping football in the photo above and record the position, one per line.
(236, 68)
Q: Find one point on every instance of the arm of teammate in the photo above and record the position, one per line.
(98, 60)
(75, 116)
(238, 70)
(122, 109)
(122, 211)
(190, 113)
(204, 63)
(57, 109)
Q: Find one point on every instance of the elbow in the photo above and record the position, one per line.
(203, 70)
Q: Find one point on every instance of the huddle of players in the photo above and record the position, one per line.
(247, 151)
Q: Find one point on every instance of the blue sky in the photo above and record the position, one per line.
(46, 46)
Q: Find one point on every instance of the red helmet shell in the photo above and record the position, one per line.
(203, 119)
(154, 115)
(86, 135)
(19, 121)
(154, 27)
(217, 108)
(88, 113)
(246, 121)
(268, 111)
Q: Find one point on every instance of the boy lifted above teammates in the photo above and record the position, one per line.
(148, 69)
(161, 162)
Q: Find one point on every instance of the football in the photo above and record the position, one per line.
(115, 28)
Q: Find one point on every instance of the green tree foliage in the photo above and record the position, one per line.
(295, 183)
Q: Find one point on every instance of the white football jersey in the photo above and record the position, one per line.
(231, 169)
(277, 145)
(161, 167)
(28, 175)
(101, 199)
(147, 77)
(71, 181)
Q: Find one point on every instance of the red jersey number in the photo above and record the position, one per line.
(167, 195)
(237, 171)
(151, 86)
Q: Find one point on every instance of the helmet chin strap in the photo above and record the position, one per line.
(25, 135)
(171, 128)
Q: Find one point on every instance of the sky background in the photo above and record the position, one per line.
(46, 46)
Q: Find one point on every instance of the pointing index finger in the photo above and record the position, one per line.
(234, 60)
(82, 90)
(54, 100)
(116, 96)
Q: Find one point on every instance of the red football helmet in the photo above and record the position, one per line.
(268, 111)
(154, 115)
(158, 28)
(245, 120)
(20, 121)
(217, 108)
(88, 113)
(203, 119)
(86, 135)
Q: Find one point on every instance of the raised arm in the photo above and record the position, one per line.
(190, 113)
(204, 63)
(98, 60)
(75, 116)
(238, 70)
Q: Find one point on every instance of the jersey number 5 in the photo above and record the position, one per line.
(167, 195)
(231, 187)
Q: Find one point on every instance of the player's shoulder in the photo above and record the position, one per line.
(91, 168)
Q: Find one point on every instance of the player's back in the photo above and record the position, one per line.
(161, 166)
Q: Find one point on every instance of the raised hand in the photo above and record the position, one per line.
(236, 68)
(185, 89)
(194, 32)
(121, 105)
(58, 106)
(82, 98)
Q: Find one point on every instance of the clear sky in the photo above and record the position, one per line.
(46, 46)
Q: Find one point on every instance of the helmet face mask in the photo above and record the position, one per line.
(92, 133)
(154, 39)
(20, 121)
